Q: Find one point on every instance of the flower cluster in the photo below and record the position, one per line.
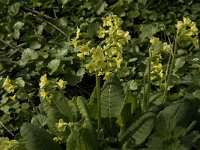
(187, 31)
(43, 94)
(105, 58)
(47, 86)
(8, 86)
(156, 49)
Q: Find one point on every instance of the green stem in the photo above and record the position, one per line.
(30, 101)
(147, 89)
(98, 91)
(170, 71)
(6, 128)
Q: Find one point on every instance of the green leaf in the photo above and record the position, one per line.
(37, 139)
(102, 8)
(133, 14)
(64, 2)
(83, 110)
(27, 55)
(25, 106)
(73, 141)
(92, 28)
(14, 9)
(35, 45)
(81, 139)
(148, 30)
(127, 111)
(73, 77)
(17, 26)
(195, 8)
(179, 63)
(39, 120)
(139, 130)
(112, 98)
(176, 115)
(65, 107)
(20, 82)
(53, 65)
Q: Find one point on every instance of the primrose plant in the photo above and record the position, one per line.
(159, 69)
(105, 57)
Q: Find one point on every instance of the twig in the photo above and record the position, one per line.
(13, 47)
(38, 13)
(45, 18)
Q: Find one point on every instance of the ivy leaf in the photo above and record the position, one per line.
(72, 77)
(148, 30)
(53, 65)
(20, 82)
(17, 26)
(179, 63)
(28, 55)
(14, 9)
(35, 45)
(133, 14)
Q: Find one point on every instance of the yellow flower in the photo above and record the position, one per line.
(90, 67)
(8, 86)
(186, 21)
(43, 94)
(118, 62)
(81, 55)
(179, 25)
(43, 81)
(98, 53)
(14, 97)
(154, 40)
(127, 36)
(75, 42)
(61, 84)
(107, 21)
(57, 138)
(166, 47)
(116, 20)
(101, 32)
(77, 33)
(108, 74)
(61, 125)
(194, 29)
(84, 49)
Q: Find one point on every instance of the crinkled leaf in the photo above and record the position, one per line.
(37, 139)
(139, 131)
(112, 98)
(39, 120)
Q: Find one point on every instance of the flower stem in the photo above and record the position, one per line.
(147, 88)
(98, 92)
(170, 71)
